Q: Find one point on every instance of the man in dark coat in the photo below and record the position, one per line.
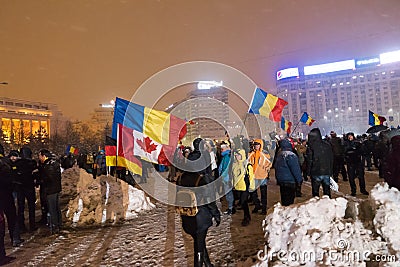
(392, 164)
(5, 189)
(7, 204)
(287, 172)
(355, 168)
(23, 170)
(338, 157)
(319, 162)
(50, 173)
(199, 163)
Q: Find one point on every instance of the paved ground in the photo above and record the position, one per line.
(154, 239)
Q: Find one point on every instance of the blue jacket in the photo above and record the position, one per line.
(223, 168)
(287, 167)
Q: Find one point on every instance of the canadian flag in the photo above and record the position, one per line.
(145, 147)
(139, 144)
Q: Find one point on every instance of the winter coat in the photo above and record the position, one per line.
(392, 164)
(301, 150)
(287, 167)
(23, 172)
(353, 152)
(223, 168)
(319, 155)
(203, 219)
(337, 146)
(5, 182)
(239, 171)
(50, 174)
(381, 149)
(260, 161)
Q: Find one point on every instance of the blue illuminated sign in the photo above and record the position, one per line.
(365, 62)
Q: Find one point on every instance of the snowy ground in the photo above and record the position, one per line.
(112, 224)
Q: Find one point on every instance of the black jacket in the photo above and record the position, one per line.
(337, 146)
(319, 155)
(50, 174)
(199, 165)
(5, 182)
(354, 151)
(23, 173)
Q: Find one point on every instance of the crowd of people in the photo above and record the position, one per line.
(240, 169)
(244, 169)
(20, 174)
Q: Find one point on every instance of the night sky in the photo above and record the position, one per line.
(79, 54)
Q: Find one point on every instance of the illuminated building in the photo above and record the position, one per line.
(338, 95)
(102, 117)
(207, 108)
(20, 119)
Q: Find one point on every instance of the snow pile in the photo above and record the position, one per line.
(88, 201)
(138, 202)
(387, 215)
(334, 232)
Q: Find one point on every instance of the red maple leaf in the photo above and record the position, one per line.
(147, 145)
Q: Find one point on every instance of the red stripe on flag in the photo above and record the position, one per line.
(111, 150)
(276, 112)
(177, 130)
(126, 144)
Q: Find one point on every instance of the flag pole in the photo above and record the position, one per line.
(296, 127)
(116, 153)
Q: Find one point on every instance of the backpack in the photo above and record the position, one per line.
(184, 196)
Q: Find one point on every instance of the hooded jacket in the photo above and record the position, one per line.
(287, 167)
(392, 164)
(198, 163)
(224, 166)
(319, 155)
(239, 171)
(260, 161)
(50, 174)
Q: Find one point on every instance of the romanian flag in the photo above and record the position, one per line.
(124, 157)
(286, 125)
(375, 119)
(307, 119)
(153, 131)
(267, 105)
(71, 150)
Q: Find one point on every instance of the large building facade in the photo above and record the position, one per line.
(339, 95)
(20, 119)
(208, 111)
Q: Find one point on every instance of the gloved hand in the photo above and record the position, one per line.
(217, 221)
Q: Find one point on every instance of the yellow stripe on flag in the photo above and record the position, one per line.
(131, 166)
(377, 121)
(269, 104)
(111, 160)
(156, 125)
